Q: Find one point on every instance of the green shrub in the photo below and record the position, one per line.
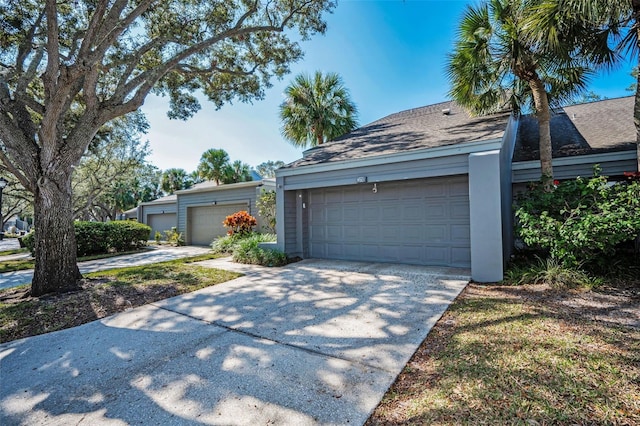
(247, 251)
(29, 241)
(550, 272)
(127, 235)
(92, 237)
(266, 203)
(226, 244)
(579, 220)
(103, 237)
(174, 237)
(158, 237)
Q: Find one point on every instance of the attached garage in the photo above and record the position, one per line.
(427, 186)
(419, 221)
(159, 214)
(160, 222)
(203, 207)
(205, 222)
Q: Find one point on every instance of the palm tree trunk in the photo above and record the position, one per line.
(543, 113)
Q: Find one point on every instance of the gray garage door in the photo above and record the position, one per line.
(161, 222)
(204, 224)
(422, 221)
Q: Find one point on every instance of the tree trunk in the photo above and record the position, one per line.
(56, 268)
(543, 113)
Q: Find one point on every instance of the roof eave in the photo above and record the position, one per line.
(418, 154)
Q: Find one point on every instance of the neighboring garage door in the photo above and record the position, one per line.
(204, 224)
(161, 222)
(421, 221)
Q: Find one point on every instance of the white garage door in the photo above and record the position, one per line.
(421, 221)
(204, 224)
(161, 222)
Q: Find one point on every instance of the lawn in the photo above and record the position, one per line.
(523, 355)
(29, 263)
(102, 294)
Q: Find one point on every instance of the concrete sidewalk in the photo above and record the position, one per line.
(157, 254)
(316, 342)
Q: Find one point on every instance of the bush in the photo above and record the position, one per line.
(92, 237)
(174, 237)
(126, 235)
(579, 220)
(550, 272)
(240, 223)
(100, 237)
(267, 209)
(29, 241)
(247, 251)
(244, 248)
(227, 243)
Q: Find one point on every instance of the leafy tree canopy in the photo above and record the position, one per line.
(268, 168)
(69, 67)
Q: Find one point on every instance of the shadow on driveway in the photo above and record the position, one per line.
(317, 342)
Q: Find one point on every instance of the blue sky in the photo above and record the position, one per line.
(391, 55)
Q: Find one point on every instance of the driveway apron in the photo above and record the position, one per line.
(316, 342)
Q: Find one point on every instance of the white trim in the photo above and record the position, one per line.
(399, 157)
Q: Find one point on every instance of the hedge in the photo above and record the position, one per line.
(104, 237)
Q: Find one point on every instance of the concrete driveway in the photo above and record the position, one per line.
(316, 342)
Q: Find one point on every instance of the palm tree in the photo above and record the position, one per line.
(317, 109)
(495, 66)
(604, 30)
(237, 172)
(174, 180)
(212, 165)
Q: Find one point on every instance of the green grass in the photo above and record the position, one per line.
(16, 265)
(506, 360)
(24, 264)
(103, 293)
(13, 251)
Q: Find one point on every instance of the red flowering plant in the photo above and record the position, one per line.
(240, 223)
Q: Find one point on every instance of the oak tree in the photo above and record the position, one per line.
(67, 67)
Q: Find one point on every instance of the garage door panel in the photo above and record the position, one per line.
(459, 189)
(351, 233)
(335, 250)
(351, 212)
(423, 221)
(391, 213)
(161, 222)
(370, 213)
(412, 212)
(334, 232)
(460, 256)
(435, 212)
(204, 223)
(460, 232)
(436, 233)
(368, 233)
(434, 190)
(459, 210)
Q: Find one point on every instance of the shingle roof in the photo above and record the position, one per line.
(603, 126)
(419, 128)
(164, 200)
